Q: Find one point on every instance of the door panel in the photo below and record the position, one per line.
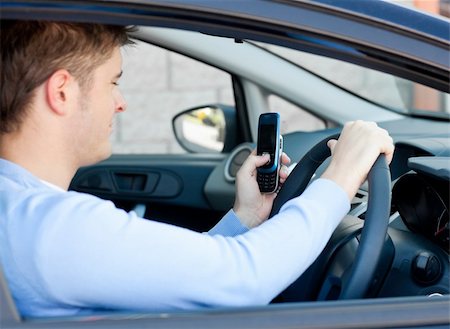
(167, 188)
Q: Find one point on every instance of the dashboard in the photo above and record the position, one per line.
(422, 198)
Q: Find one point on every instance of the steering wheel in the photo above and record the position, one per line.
(373, 234)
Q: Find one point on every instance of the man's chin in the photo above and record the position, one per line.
(105, 155)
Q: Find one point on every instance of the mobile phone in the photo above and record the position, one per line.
(269, 141)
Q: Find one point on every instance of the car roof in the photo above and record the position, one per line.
(381, 11)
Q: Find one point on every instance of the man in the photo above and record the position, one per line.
(68, 253)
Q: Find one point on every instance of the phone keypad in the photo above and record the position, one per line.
(267, 182)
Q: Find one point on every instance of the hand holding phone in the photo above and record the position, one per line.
(269, 142)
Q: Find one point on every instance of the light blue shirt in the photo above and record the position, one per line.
(69, 253)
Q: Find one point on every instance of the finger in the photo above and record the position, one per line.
(257, 160)
(261, 160)
(385, 142)
(388, 149)
(284, 173)
(331, 145)
(390, 154)
(251, 163)
(285, 159)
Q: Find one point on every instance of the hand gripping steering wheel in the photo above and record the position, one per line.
(376, 221)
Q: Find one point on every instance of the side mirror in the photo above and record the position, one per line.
(206, 129)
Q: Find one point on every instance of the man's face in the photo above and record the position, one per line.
(97, 107)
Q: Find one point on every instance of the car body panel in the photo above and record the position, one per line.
(303, 25)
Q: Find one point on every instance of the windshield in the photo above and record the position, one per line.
(391, 92)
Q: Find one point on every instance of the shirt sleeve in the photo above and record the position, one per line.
(106, 258)
(229, 225)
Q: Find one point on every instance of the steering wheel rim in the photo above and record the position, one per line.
(376, 222)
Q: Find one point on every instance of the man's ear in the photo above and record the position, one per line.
(59, 90)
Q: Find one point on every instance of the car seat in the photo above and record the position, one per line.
(8, 310)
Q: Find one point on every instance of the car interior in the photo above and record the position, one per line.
(413, 259)
(395, 240)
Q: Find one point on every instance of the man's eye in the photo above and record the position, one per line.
(115, 83)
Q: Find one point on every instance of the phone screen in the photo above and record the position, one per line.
(267, 142)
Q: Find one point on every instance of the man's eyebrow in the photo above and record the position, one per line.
(118, 75)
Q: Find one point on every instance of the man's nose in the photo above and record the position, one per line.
(121, 105)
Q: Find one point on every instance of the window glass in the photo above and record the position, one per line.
(389, 91)
(293, 117)
(158, 84)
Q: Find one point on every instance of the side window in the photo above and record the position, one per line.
(158, 84)
(293, 117)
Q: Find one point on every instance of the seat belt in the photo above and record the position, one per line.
(8, 310)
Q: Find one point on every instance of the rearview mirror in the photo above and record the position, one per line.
(207, 129)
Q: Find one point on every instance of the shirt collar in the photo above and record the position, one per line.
(17, 173)
(53, 186)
